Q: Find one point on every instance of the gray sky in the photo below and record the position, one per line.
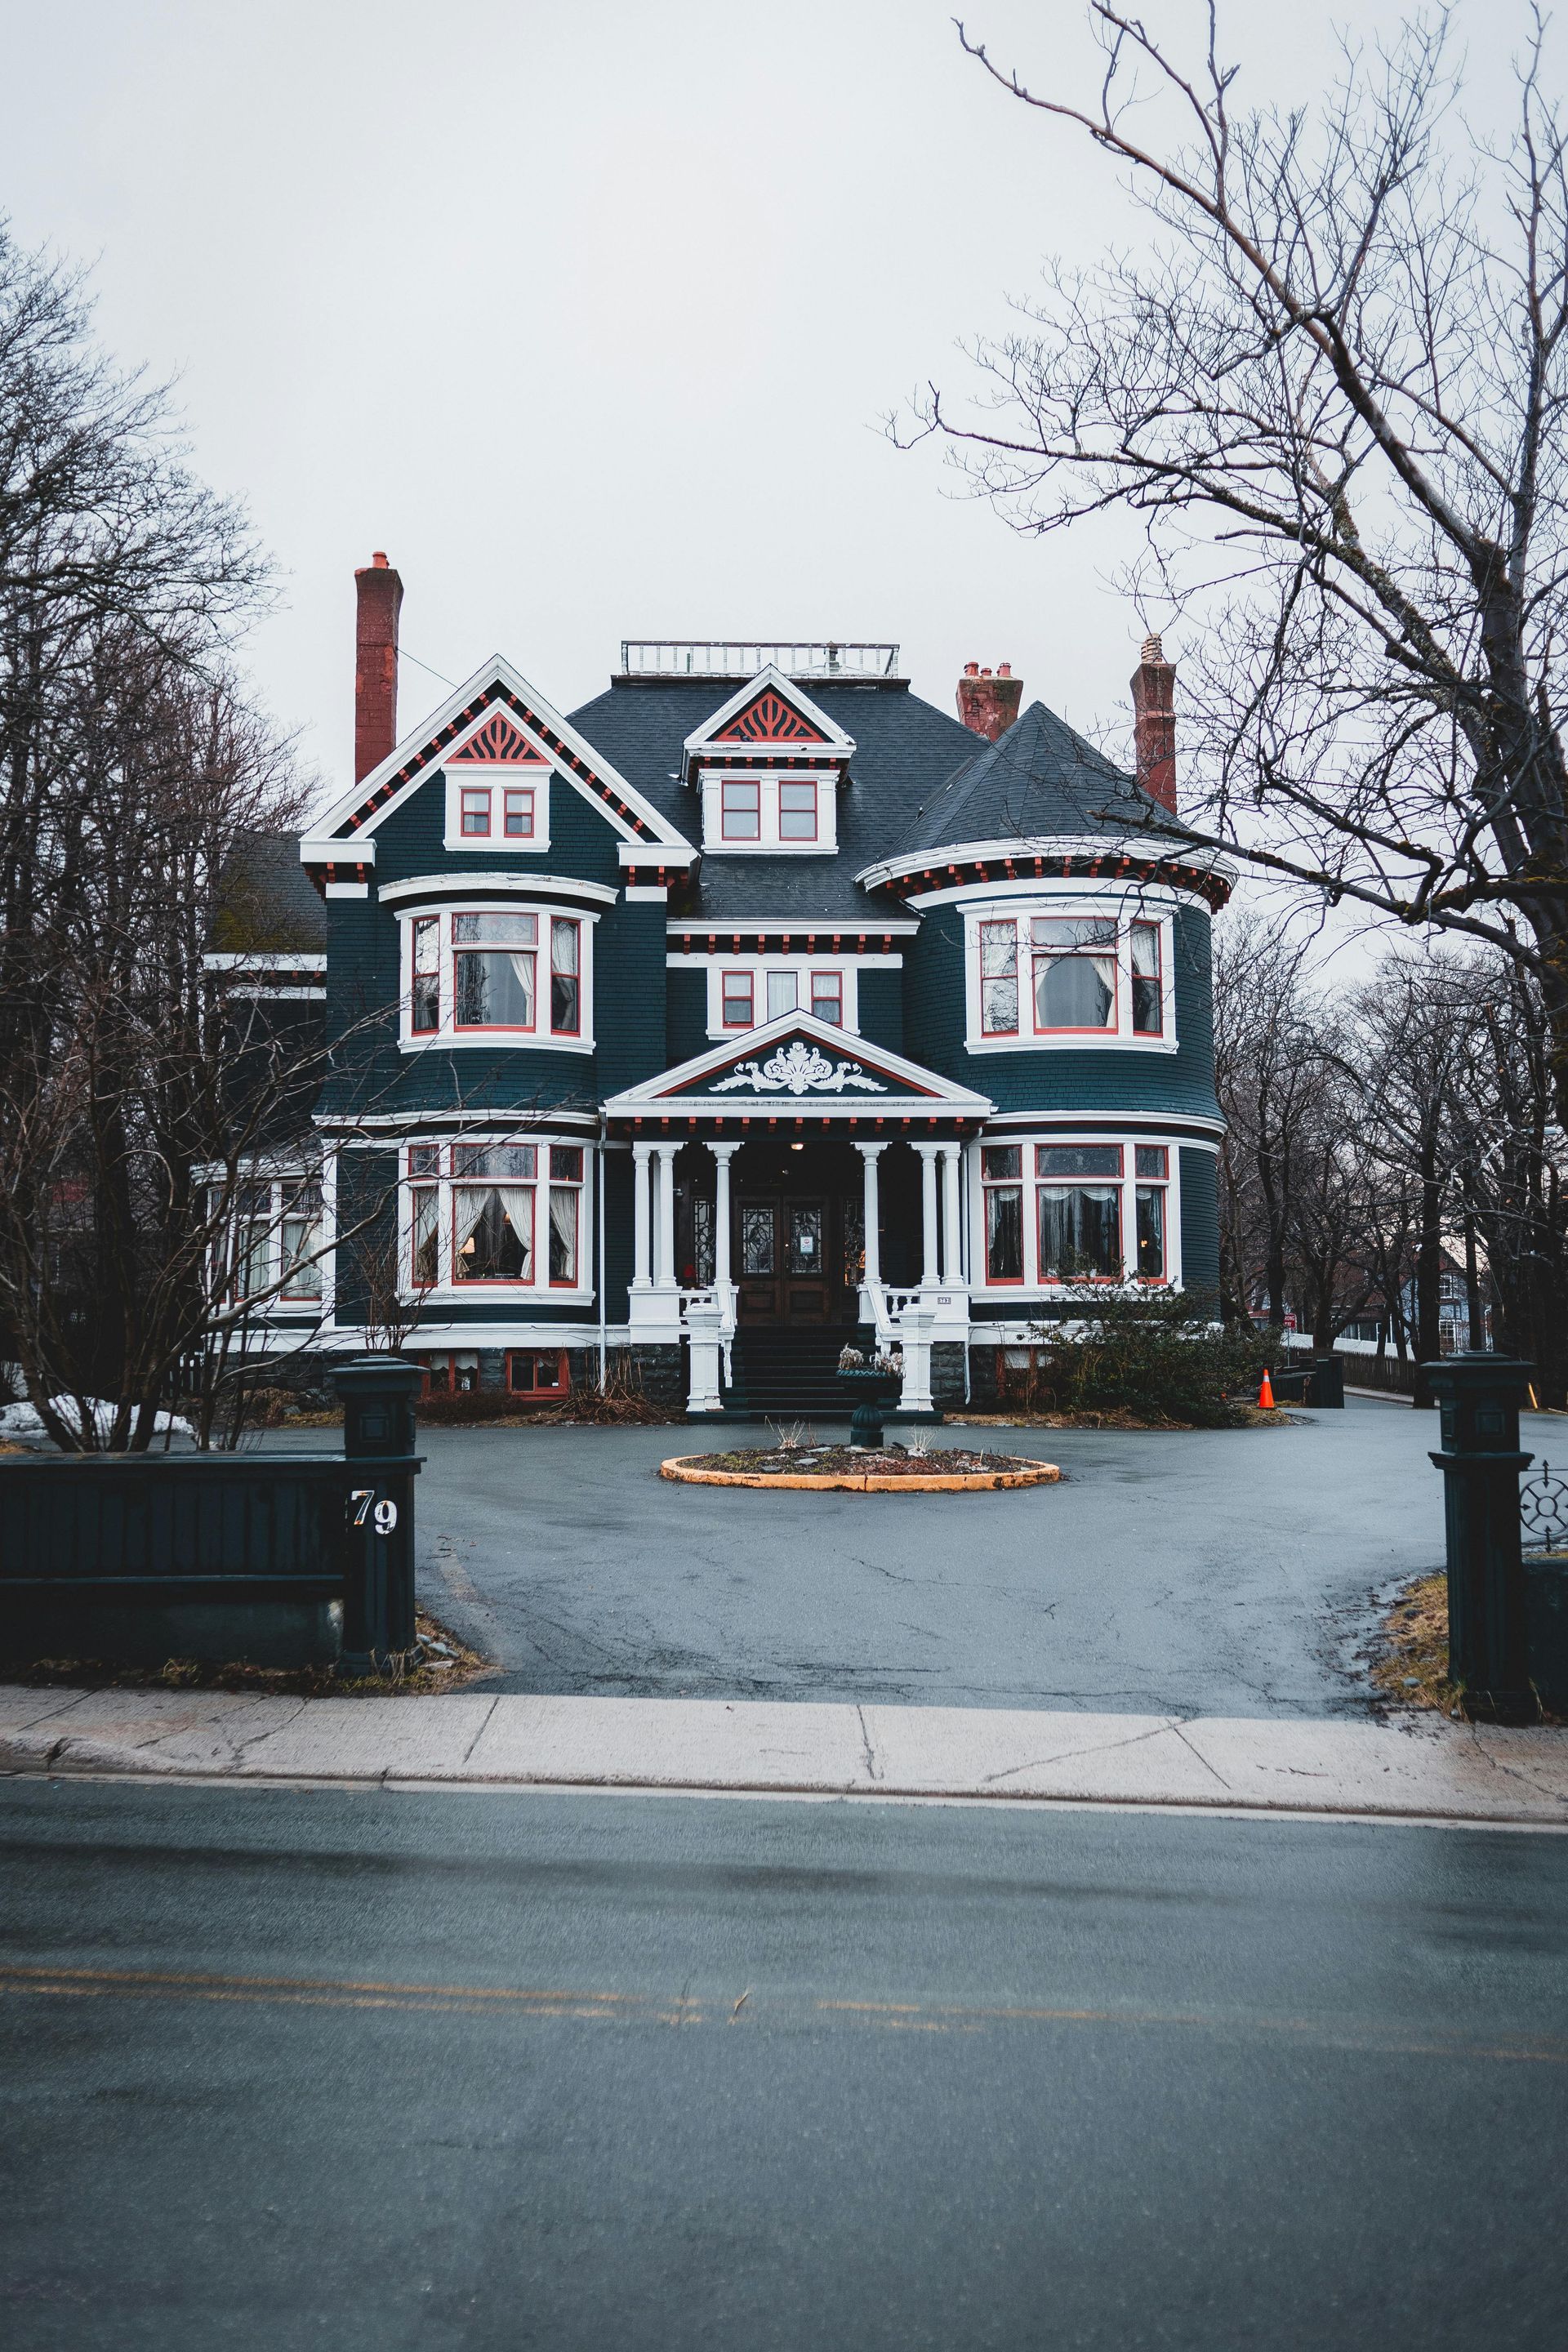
(587, 313)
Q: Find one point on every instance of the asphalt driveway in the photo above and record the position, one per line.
(1230, 1573)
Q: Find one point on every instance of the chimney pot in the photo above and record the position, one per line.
(378, 592)
(988, 705)
(1154, 723)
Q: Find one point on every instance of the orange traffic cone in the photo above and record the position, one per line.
(1265, 1395)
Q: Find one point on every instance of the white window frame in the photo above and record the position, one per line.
(843, 969)
(1127, 1142)
(447, 1035)
(1125, 909)
(270, 1297)
(771, 841)
(446, 1290)
(497, 777)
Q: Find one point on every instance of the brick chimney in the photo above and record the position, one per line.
(379, 593)
(1154, 723)
(989, 704)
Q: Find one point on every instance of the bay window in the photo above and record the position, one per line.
(1075, 977)
(497, 971)
(1101, 1213)
(495, 1212)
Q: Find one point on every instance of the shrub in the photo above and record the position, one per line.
(1156, 1353)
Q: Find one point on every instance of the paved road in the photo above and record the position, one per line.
(289, 2069)
(1216, 1574)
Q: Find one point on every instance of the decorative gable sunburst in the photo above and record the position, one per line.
(498, 740)
(769, 719)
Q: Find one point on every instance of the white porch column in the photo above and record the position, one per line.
(703, 1336)
(927, 1152)
(951, 1252)
(869, 1154)
(665, 1278)
(722, 1155)
(642, 1273)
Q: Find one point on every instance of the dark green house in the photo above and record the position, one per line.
(755, 1007)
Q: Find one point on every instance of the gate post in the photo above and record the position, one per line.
(1478, 1395)
(378, 1394)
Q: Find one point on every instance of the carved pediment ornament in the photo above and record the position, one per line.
(799, 1070)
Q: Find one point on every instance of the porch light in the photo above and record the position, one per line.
(797, 1147)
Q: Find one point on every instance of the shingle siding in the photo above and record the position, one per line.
(1200, 1222)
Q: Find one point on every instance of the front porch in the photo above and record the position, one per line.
(752, 1213)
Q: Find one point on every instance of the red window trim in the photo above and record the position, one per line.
(466, 793)
(1157, 975)
(562, 1366)
(1111, 1028)
(499, 1281)
(1016, 1030)
(744, 783)
(564, 923)
(566, 1184)
(725, 993)
(837, 990)
(1003, 1184)
(801, 784)
(495, 1028)
(509, 792)
(415, 1281)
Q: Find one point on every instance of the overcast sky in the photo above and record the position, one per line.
(587, 313)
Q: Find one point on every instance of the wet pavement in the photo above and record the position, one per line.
(289, 2068)
(1226, 1572)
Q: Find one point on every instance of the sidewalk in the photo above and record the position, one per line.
(1416, 1772)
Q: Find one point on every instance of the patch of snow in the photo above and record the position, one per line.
(26, 1420)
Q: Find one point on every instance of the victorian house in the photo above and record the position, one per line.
(755, 1007)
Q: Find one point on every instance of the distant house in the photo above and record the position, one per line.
(754, 1007)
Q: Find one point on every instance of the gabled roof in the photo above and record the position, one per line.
(804, 1068)
(1037, 781)
(904, 749)
(769, 712)
(496, 691)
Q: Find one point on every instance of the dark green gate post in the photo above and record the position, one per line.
(379, 1631)
(1480, 1461)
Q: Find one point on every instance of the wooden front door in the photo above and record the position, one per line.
(782, 1257)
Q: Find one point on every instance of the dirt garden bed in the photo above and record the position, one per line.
(944, 1470)
(447, 1664)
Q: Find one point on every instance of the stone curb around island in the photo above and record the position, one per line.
(867, 1482)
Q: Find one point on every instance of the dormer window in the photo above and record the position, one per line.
(494, 805)
(797, 809)
(741, 805)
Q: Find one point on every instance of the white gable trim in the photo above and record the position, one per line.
(898, 1086)
(835, 744)
(496, 674)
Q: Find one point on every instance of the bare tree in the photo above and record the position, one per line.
(1332, 389)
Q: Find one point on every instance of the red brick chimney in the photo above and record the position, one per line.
(989, 704)
(1154, 723)
(379, 593)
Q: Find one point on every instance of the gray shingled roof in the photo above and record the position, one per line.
(268, 903)
(905, 749)
(1039, 778)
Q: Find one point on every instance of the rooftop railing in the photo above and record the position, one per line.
(731, 658)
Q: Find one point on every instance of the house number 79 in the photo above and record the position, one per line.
(385, 1514)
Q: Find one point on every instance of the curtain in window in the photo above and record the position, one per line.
(467, 1208)
(1005, 1232)
(565, 993)
(517, 1200)
(563, 1233)
(999, 978)
(424, 1233)
(1080, 1230)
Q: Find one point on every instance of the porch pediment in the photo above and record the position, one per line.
(804, 1067)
